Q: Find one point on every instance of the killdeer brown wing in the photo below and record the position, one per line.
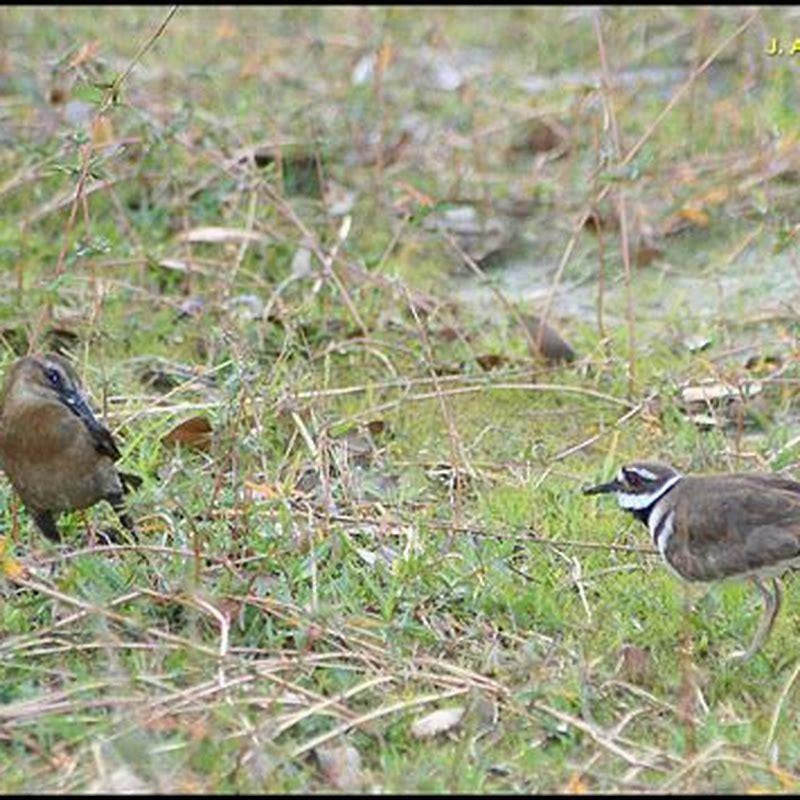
(733, 525)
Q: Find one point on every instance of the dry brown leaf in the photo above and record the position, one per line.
(9, 566)
(715, 197)
(635, 664)
(102, 131)
(545, 342)
(645, 254)
(264, 491)
(490, 361)
(383, 57)
(376, 426)
(341, 767)
(575, 785)
(213, 234)
(198, 730)
(539, 136)
(439, 721)
(695, 215)
(602, 221)
(86, 53)
(193, 433)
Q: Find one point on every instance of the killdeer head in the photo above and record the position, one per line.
(639, 485)
(709, 527)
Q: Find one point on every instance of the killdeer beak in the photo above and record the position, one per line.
(604, 488)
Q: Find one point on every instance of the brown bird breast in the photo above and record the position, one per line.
(47, 452)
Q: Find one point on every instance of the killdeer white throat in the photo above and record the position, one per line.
(709, 527)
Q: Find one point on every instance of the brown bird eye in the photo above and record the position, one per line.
(53, 377)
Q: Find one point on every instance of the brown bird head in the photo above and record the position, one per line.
(638, 485)
(49, 378)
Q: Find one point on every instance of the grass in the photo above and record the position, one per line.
(381, 528)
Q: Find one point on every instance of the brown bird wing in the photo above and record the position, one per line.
(101, 437)
(737, 524)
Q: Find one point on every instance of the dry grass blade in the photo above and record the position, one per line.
(600, 737)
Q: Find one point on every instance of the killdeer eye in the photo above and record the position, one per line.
(635, 480)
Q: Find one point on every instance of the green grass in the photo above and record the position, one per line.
(253, 619)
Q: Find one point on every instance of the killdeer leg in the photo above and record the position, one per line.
(772, 604)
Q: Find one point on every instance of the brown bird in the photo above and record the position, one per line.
(53, 449)
(709, 527)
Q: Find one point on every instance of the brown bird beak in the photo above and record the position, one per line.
(604, 488)
(78, 406)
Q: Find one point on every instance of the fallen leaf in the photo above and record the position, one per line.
(9, 566)
(194, 433)
(383, 57)
(696, 216)
(102, 131)
(684, 218)
(539, 136)
(213, 234)
(635, 664)
(490, 361)
(447, 333)
(198, 730)
(645, 254)
(716, 392)
(86, 53)
(355, 447)
(440, 721)
(376, 426)
(575, 785)
(265, 491)
(545, 342)
(341, 767)
(597, 221)
(58, 94)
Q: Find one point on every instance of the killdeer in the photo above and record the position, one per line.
(709, 527)
(53, 449)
